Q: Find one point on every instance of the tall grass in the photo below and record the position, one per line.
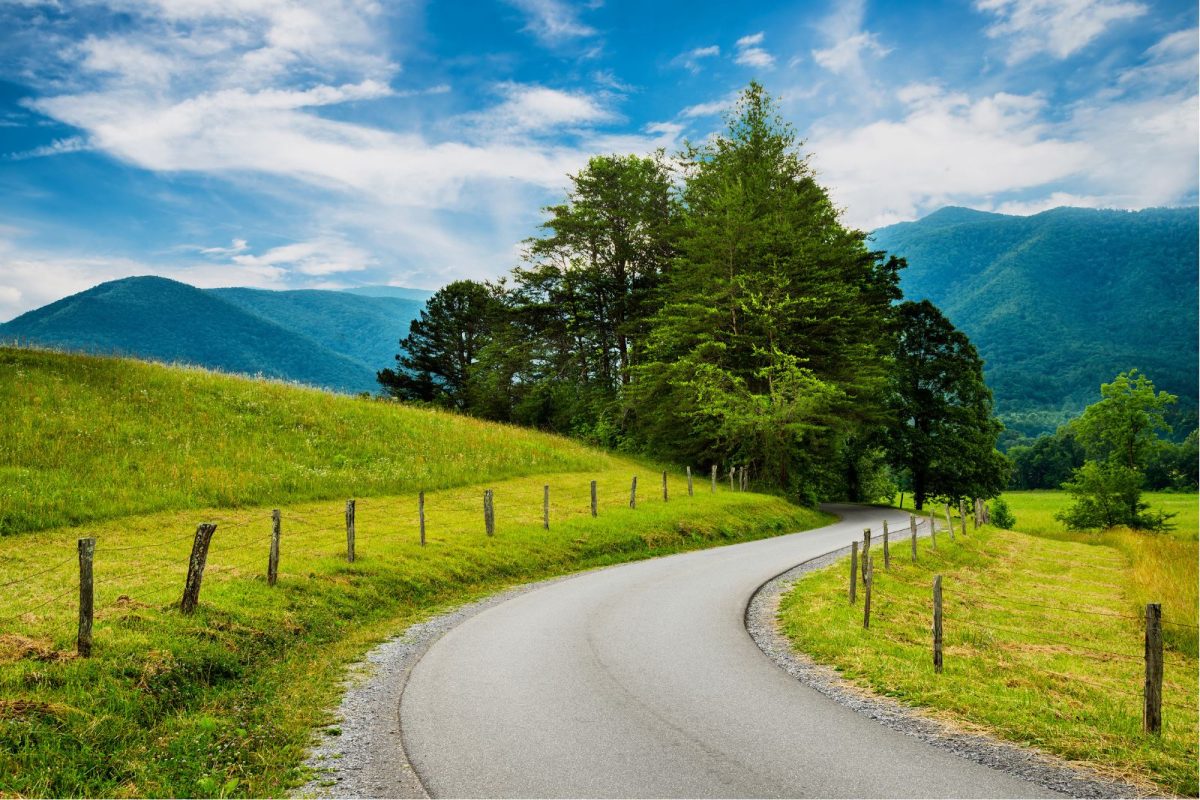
(86, 439)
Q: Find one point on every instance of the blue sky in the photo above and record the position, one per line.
(331, 143)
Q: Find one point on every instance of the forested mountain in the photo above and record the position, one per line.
(1061, 301)
(398, 292)
(323, 338)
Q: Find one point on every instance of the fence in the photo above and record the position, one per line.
(254, 545)
(966, 596)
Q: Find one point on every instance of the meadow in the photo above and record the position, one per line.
(225, 702)
(1043, 637)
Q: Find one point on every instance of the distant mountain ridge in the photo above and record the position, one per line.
(331, 339)
(1061, 301)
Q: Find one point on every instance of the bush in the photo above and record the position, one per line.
(1001, 516)
(1107, 495)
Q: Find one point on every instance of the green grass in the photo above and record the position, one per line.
(226, 701)
(1042, 647)
(86, 439)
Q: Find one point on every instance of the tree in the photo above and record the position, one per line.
(943, 433)
(1123, 426)
(1048, 462)
(436, 358)
(1107, 494)
(771, 310)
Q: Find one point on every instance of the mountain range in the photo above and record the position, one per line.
(1061, 301)
(331, 339)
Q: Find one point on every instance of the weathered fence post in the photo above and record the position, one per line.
(866, 548)
(731, 471)
(853, 571)
(273, 557)
(191, 589)
(933, 531)
(489, 513)
(546, 507)
(664, 486)
(887, 556)
(962, 516)
(978, 513)
(421, 514)
(868, 581)
(714, 478)
(690, 493)
(987, 514)
(593, 498)
(949, 522)
(1152, 695)
(350, 531)
(745, 480)
(912, 527)
(83, 642)
(937, 623)
(633, 493)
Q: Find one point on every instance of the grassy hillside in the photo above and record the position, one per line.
(87, 439)
(225, 702)
(1042, 647)
(1061, 301)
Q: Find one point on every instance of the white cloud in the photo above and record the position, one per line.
(235, 247)
(847, 53)
(692, 58)
(1057, 27)
(536, 108)
(69, 144)
(947, 149)
(324, 256)
(1024, 208)
(749, 53)
(848, 44)
(553, 22)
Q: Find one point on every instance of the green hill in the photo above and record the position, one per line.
(227, 701)
(329, 339)
(1061, 301)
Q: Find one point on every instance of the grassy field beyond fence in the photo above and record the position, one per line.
(1042, 644)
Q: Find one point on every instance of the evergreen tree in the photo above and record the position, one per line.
(944, 432)
(436, 358)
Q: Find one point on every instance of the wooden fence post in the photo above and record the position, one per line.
(868, 581)
(350, 531)
(962, 516)
(731, 471)
(987, 514)
(933, 531)
(546, 507)
(593, 498)
(273, 558)
(421, 514)
(633, 493)
(912, 527)
(664, 486)
(83, 641)
(937, 623)
(887, 556)
(690, 493)
(745, 484)
(949, 522)
(978, 513)
(191, 589)
(853, 571)
(866, 548)
(489, 513)
(1152, 695)
(714, 478)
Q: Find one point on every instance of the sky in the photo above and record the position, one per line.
(332, 143)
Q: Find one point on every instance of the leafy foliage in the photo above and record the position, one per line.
(1001, 515)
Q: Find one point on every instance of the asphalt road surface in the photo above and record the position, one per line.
(641, 681)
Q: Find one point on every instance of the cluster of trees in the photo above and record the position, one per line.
(1104, 457)
(711, 308)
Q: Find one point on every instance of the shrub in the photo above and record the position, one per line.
(1001, 515)
(1107, 495)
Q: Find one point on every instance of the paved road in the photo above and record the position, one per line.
(641, 681)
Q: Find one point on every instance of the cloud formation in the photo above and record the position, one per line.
(1059, 28)
(750, 54)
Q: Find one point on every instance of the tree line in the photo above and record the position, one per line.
(710, 307)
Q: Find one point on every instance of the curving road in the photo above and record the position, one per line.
(641, 681)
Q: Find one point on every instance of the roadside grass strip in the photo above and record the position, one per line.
(225, 702)
(1043, 646)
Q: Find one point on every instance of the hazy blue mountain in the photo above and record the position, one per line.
(400, 292)
(1061, 301)
(365, 329)
(327, 339)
